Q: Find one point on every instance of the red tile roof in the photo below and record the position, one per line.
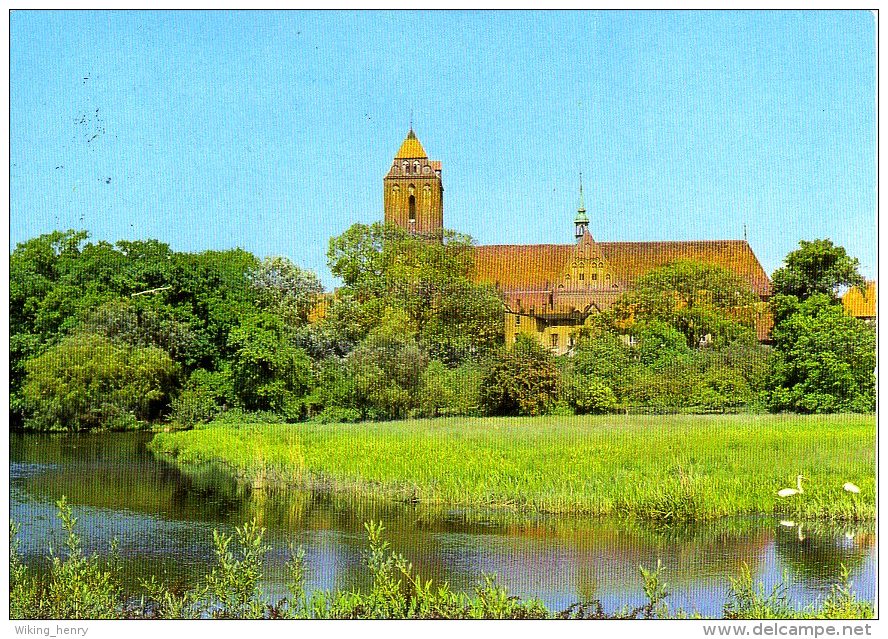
(541, 266)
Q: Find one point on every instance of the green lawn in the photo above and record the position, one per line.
(655, 467)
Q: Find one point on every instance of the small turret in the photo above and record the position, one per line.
(581, 222)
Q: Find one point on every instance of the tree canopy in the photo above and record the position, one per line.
(697, 299)
(817, 267)
(384, 268)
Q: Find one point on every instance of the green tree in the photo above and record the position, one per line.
(211, 292)
(87, 381)
(285, 289)
(268, 371)
(823, 361)
(817, 267)
(698, 299)
(384, 267)
(142, 321)
(522, 380)
(386, 371)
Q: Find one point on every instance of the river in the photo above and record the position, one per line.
(163, 520)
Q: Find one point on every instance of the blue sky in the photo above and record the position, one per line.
(273, 131)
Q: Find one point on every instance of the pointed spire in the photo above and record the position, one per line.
(411, 147)
(581, 208)
(581, 221)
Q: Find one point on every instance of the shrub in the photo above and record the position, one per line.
(206, 394)
(522, 380)
(385, 371)
(588, 395)
(450, 391)
(722, 388)
(87, 381)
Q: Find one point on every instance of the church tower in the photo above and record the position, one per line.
(414, 193)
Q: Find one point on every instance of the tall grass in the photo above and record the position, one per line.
(664, 468)
(87, 587)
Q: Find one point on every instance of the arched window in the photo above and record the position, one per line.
(411, 203)
(405, 166)
(416, 166)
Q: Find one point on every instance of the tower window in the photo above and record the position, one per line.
(582, 276)
(594, 276)
(517, 320)
(411, 203)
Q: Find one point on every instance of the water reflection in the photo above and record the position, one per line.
(164, 520)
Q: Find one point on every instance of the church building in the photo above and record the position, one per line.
(549, 290)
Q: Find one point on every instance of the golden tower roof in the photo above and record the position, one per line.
(411, 147)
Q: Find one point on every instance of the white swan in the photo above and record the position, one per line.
(789, 492)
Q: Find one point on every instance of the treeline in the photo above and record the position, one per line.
(125, 335)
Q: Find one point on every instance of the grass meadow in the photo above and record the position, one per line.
(661, 468)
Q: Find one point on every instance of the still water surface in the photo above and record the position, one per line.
(164, 519)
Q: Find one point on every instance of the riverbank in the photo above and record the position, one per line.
(662, 468)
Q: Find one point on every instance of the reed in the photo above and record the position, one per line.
(661, 468)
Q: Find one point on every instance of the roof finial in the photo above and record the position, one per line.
(744, 232)
(411, 119)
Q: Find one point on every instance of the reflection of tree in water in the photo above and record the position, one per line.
(815, 553)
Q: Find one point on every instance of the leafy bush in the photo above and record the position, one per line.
(386, 373)
(205, 395)
(87, 381)
(824, 361)
(588, 395)
(450, 391)
(722, 388)
(522, 380)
